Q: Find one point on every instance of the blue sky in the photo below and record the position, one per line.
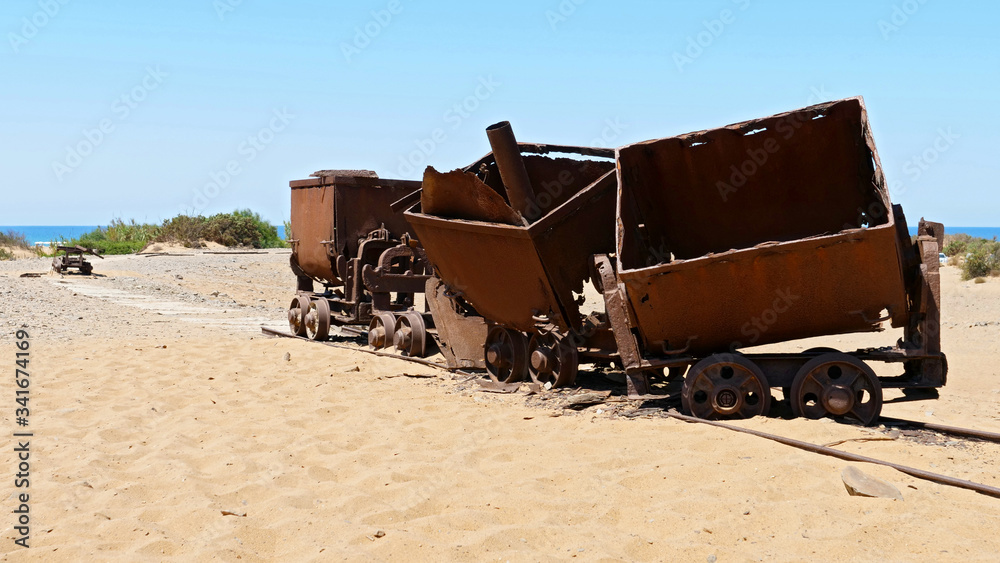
(144, 110)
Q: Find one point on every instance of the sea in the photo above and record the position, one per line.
(45, 234)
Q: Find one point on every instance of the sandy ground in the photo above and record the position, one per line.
(166, 427)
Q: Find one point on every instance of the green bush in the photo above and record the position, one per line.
(14, 239)
(955, 248)
(239, 228)
(183, 229)
(978, 265)
(6, 254)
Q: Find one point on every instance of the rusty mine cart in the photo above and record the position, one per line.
(785, 219)
(698, 246)
(346, 238)
(522, 265)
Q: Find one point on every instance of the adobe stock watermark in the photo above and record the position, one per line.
(758, 158)
(249, 150)
(900, 16)
(757, 326)
(563, 12)
(456, 115)
(917, 165)
(714, 28)
(223, 7)
(364, 35)
(549, 191)
(818, 95)
(122, 108)
(32, 25)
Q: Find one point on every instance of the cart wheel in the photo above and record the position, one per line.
(318, 319)
(506, 355)
(787, 391)
(297, 315)
(725, 386)
(380, 330)
(838, 385)
(410, 335)
(553, 359)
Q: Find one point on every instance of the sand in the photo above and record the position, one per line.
(168, 428)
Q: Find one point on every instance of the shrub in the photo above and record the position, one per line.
(955, 248)
(14, 239)
(6, 254)
(977, 265)
(239, 228)
(182, 229)
(119, 237)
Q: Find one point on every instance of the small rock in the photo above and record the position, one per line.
(379, 534)
(712, 559)
(860, 485)
(178, 276)
(288, 356)
(586, 399)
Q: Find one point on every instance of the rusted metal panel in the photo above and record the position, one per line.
(460, 336)
(312, 223)
(760, 232)
(332, 215)
(516, 275)
(361, 209)
(459, 195)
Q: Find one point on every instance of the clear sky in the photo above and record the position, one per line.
(144, 110)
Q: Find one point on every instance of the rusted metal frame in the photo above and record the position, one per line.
(823, 450)
(573, 204)
(617, 308)
(352, 181)
(542, 149)
(379, 283)
(539, 148)
(549, 221)
(743, 126)
(858, 236)
(468, 226)
(801, 243)
(460, 336)
(530, 148)
(381, 280)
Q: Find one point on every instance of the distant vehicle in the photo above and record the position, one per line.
(942, 259)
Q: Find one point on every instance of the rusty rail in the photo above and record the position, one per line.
(823, 450)
(277, 333)
(952, 430)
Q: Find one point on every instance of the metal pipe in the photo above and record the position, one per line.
(953, 430)
(512, 171)
(918, 473)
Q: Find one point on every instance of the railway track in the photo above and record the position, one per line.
(967, 433)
